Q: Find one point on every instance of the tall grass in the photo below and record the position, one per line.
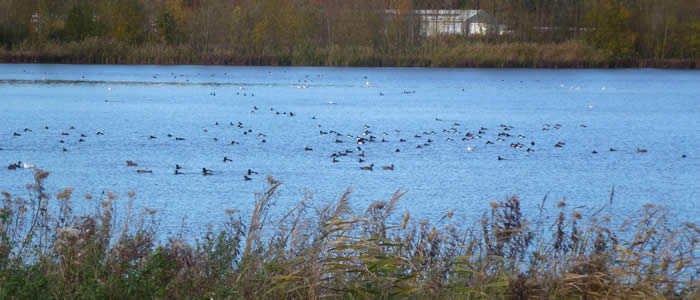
(336, 251)
(443, 52)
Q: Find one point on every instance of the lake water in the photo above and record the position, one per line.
(656, 110)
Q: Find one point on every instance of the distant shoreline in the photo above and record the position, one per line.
(372, 61)
(571, 54)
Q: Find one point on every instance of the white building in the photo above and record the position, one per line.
(434, 22)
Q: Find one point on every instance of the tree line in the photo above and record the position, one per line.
(625, 29)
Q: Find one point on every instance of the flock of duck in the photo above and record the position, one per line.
(359, 142)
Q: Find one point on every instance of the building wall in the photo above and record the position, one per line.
(452, 22)
(446, 22)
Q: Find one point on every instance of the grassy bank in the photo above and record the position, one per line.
(335, 251)
(572, 54)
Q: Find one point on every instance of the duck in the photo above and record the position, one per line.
(397, 150)
(684, 156)
(179, 139)
(642, 150)
(206, 172)
(131, 164)
(227, 160)
(307, 148)
(178, 167)
(14, 166)
(251, 172)
(367, 168)
(613, 149)
(177, 172)
(594, 152)
(501, 158)
(388, 168)
(246, 178)
(144, 171)
(27, 166)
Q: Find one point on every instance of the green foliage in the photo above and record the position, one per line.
(277, 28)
(305, 53)
(682, 40)
(166, 27)
(127, 22)
(609, 21)
(79, 24)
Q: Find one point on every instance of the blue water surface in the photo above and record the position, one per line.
(656, 110)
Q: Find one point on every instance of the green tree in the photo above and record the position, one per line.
(127, 22)
(275, 31)
(166, 27)
(79, 24)
(15, 18)
(609, 21)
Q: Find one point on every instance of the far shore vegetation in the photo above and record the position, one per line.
(337, 251)
(536, 34)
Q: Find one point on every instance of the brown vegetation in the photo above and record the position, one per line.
(569, 33)
(46, 251)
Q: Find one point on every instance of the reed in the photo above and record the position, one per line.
(337, 251)
(442, 52)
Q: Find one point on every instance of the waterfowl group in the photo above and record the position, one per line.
(359, 146)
